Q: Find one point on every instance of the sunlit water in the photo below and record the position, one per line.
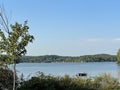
(91, 68)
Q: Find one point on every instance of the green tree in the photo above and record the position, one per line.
(14, 45)
(118, 56)
(14, 39)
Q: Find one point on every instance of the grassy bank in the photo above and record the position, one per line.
(49, 82)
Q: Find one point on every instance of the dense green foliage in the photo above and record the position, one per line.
(6, 78)
(118, 56)
(43, 82)
(55, 58)
(14, 45)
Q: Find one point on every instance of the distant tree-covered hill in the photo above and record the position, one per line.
(56, 58)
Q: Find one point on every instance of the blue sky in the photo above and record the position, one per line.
(69, 27)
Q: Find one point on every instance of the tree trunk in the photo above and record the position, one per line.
(14, 76)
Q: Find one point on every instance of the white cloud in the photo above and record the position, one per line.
(117, 39)
(102, 40)
(94, 39)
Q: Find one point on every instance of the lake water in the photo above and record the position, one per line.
(92, 68)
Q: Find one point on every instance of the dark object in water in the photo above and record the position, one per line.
(82, 74)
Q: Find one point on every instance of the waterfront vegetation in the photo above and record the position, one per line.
(55, 58)
(50, 82)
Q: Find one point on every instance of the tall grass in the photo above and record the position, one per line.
(49, 82)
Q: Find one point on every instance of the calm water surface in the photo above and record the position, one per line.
(92, 68)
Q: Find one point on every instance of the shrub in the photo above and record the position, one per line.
(105, 82)
(6, 78)
(48, 82)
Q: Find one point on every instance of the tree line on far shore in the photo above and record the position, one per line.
(56, 58)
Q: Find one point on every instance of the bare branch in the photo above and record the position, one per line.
(4, 22)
